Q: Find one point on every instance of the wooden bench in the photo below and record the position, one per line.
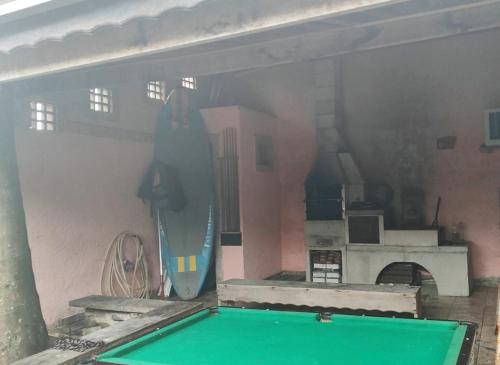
(385, 298)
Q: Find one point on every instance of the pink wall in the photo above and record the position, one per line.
(259, 197)
(229, 258)
(232, 263)
(259, 200)
(79, 192)
(469, 183)
(399, 100)
(79, 189)
(285, 92)
(297, 151)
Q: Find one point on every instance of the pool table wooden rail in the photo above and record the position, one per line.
(384, 298)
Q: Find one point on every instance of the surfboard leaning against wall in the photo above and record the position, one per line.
(184, 200)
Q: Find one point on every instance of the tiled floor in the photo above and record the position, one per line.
(480, 308)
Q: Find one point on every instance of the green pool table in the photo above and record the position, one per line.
(229, 336)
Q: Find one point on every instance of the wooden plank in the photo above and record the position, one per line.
(308, 285)
(116, 304)
(137, 326)
(50, 356)
(393, 298)
(117, 334)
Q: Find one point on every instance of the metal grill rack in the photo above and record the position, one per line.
(326, 266)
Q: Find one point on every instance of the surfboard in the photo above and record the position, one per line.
(186, 233)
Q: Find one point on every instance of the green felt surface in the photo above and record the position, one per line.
(257, 337)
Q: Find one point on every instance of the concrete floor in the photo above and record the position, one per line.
(480, 308)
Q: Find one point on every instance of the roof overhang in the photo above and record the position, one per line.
(181, 37)
(12, 10)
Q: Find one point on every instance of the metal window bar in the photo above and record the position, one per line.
(189, 83)
(42, 116)
(100, 100)
(155, 90)
(230, 204)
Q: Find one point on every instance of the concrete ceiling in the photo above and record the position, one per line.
(215, 36)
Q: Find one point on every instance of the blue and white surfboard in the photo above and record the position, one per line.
(187, 235)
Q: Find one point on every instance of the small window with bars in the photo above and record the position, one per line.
(264, 152)
(42, 116)
(493, 128)
(100, 100)
(155, 90)
(188, 83)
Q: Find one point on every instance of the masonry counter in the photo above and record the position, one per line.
(228, 336)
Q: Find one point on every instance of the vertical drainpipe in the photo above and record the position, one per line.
(22, 329)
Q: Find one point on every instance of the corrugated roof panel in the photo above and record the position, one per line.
(83, 17)
(97, 32)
